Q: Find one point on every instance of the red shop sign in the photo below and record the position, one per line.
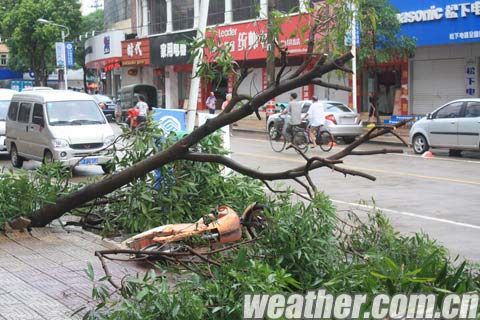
(136, 52)
(247, 40)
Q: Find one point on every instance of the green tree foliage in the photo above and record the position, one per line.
(381, 38)
(32, 45)
(91, 24)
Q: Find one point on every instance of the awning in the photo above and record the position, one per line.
(7, 74)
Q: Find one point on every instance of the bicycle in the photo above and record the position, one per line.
(299, 136)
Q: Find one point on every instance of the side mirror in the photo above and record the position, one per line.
(38, 120)
(429, 116)
(109, 117)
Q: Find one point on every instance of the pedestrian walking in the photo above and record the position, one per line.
(211, 100)
(142, 108)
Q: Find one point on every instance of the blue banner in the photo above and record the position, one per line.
(436, 22)
(69, 54)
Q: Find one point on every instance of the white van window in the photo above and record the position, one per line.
(3, 109)
(74, 113)
(24, 112)
(12, 111)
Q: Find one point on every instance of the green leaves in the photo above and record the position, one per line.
(22, 191)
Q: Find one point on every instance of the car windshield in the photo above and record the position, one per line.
(73, 113)
(103, 99)
(336, 107)
(3, 109)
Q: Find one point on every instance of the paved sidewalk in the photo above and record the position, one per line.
(42, 274)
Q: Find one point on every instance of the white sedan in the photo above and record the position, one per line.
(455, 126)
(340, 120)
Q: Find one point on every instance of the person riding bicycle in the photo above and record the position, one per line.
(293, 112)
(316, 119)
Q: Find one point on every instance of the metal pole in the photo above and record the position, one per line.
(195, 80)
(354, 61)
(64, 61)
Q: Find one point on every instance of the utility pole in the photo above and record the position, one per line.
(195, 80)
(270, 45)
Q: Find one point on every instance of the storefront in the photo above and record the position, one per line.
(446, 62)
(104, 54)
(171, 69)
(248, 47)
(136, 62)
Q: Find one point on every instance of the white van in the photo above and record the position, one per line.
(5, 97)
(57, 125)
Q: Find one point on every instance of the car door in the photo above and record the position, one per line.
(469, 126)
(37, 131)
(443, 127)
(23, 135)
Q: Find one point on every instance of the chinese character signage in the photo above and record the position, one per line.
(69, 54)
(171, 49)
(60, 54)
(136, 52)
(440, 21)
(248, 40)
(471, 77)
(106, 44)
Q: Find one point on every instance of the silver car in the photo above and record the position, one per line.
(455, 126)
(340, 120)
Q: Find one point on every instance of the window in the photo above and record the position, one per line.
(305, 107)
(12, 111)
(24, 112)
(286, 5)
(3, 59)
(72, 113)
(473, 110)
(182, 14)
(216, 12)
(158, 16)
(245, 9)
(37, 112)
(450, 111)
(115, 11)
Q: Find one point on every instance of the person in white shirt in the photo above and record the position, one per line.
(316, 118)
(142, 108)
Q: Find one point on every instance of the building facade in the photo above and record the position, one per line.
(446, 62)
(168, 24)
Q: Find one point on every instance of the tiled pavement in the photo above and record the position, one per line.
(42, 274)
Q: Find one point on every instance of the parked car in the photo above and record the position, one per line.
(106, 104)
(5, 97)
(455, 126)
(340, 120)
(57, 125)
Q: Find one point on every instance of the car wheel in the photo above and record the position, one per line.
(348, 140)
(420, 144)
(47, 157)
(17, 161)
(454, 153)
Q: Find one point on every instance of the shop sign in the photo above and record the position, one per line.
(248, 40)
(171, 49)
(136, 52)
(99, 50)
(471, 77)
(440, 21)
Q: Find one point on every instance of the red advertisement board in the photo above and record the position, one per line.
(136, 52)
(247, 40)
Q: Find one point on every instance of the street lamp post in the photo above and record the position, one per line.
(64, 35)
